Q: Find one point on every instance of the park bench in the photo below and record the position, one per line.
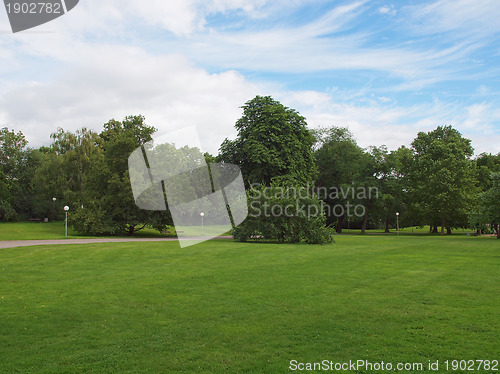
(35, 219)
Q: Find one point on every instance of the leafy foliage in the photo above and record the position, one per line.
(342, 164)
(273, 144)
(285, 214)
(441, 176)
(17, 167)
(489, 204)
(109, 205)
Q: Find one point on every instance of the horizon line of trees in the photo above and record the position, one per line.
(436, 181)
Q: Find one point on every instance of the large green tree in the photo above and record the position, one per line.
(442, 177)
(490, 203)
(65, 169)
(108, 201)
(486, 163)
(273, 143)
(343, 166)
(389, 179)
(18, 163)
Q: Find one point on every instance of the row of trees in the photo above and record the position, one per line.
(85, 170)
(436, 181)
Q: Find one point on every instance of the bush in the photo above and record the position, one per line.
(7, 213)
(284, 214)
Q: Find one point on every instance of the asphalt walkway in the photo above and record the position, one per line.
(25, 243)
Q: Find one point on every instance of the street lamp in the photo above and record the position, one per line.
(66, 208)
(54, 208)
(397, 221)
(202, 215)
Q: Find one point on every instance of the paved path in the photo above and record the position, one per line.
(25, 243)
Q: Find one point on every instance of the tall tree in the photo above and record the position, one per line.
(65, 168)
(490, 201)
(389, 180)
(441, 176)
(17, 166)
(273, 143)
(342, 165)
(109, 205)
(486, 163)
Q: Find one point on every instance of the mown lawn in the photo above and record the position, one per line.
(224, 306)
(54, 230)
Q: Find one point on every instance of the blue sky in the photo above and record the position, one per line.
(384, 69)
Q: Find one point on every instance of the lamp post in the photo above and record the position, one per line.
(54, 208)
(202, 215)
(397, 221)
(66, 208)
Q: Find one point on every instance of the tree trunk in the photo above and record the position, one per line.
(448, 231)
(443, 224)
(340, 222)
(365, 220)
(131, 230)
(365, 223)
(435, 229)
(498, 231)
(387, 225)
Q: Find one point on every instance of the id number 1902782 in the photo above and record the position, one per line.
(34, 8)
(471, 365)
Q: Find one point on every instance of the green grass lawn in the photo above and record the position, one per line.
(409, 231)
(53, 230)
(224, 306)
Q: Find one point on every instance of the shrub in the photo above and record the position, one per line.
(284, 214)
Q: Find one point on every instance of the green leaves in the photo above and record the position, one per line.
(284, 213)
(441, 176)
(109, 205)
(273, 142)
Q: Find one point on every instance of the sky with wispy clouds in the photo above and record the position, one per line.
(384, 69)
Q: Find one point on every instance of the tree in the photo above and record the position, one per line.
(17, 166)
(491, 202)
(441, 177)
(65, 168)
(342, 165)
(285, 214)
(389, 179)
(273, 143)
(488, 207)
(108, 202)
(486, 163)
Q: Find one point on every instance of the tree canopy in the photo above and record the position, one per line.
(273, 143)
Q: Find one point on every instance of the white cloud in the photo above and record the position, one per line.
(388, 10)
(468, 18)
(167, 89)
(381, 123)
